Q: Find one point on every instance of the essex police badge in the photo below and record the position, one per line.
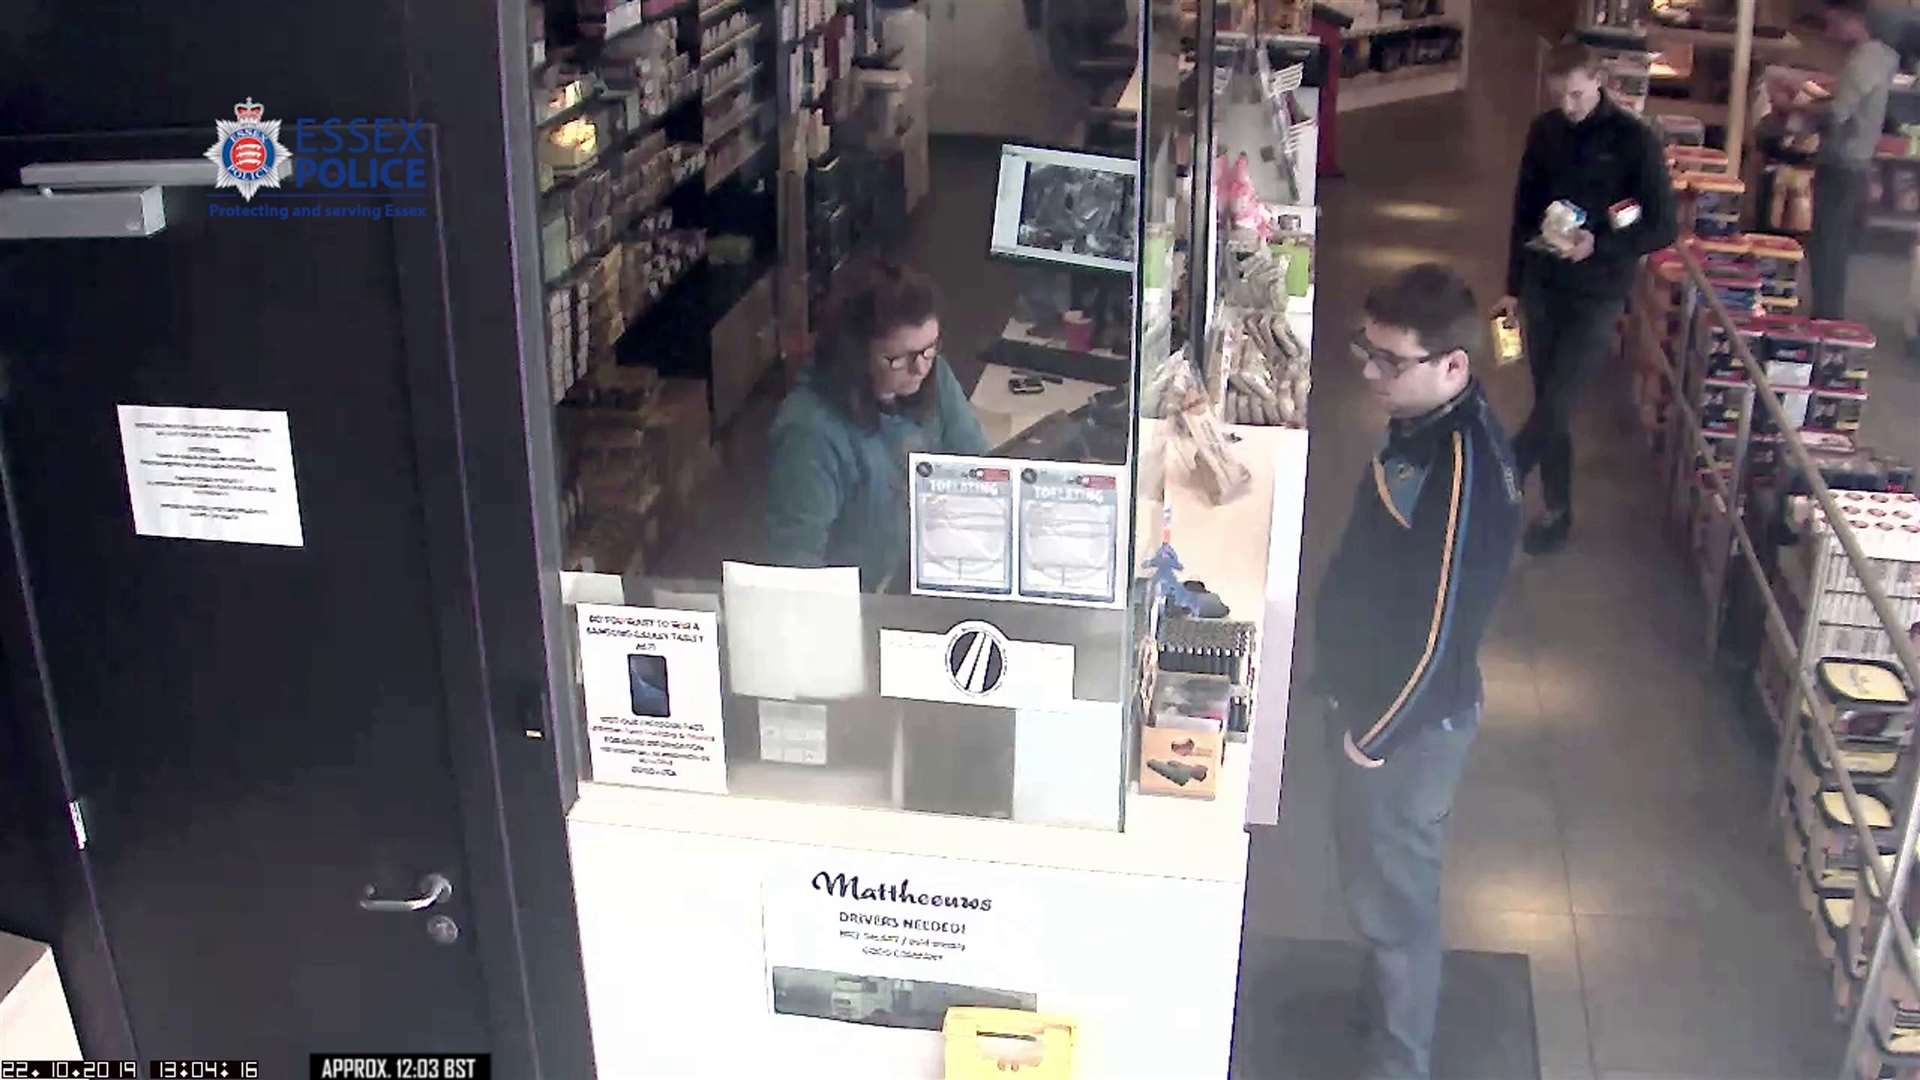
(246, 153)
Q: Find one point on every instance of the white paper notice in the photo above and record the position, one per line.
(1073, 548)
(962, 526)
(211, 474)
(910, 918)
(652, 680)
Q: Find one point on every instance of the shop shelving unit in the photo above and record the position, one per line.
(1370, 31)
(1837, 798)
(676, 327)
(1664, 337)
(839, 196)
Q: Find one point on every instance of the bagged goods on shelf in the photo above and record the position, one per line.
(1268, 376)
(1197, 438)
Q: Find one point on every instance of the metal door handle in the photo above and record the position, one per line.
(434, 887)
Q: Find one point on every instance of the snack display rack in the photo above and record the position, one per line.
(1836, 579)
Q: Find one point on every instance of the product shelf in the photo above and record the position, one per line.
(733, 83)
(628, 22)
(733, 122)
(1398, 26)
(709, 12)
(709, 55)
(728, 171)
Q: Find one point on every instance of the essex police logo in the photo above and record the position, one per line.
(246, 153)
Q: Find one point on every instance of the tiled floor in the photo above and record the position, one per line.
(1612, 826)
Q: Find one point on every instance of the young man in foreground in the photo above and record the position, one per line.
(1400, 616)
(1594, 155)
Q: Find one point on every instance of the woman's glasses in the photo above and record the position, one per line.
(917, 358)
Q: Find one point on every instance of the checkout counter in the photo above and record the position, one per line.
(833, 815)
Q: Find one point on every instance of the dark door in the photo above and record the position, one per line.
(257, 734)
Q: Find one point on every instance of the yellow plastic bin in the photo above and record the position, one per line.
(993, 1044)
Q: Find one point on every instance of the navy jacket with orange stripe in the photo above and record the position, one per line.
(1404, 605)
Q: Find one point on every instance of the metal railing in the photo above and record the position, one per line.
(1805, 708)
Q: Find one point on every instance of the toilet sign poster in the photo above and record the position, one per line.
(652, 681)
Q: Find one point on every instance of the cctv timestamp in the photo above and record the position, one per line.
(202, 1069)
(101, 1069)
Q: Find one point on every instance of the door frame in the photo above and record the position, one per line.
(485, 445)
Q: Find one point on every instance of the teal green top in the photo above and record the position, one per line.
(837, 495)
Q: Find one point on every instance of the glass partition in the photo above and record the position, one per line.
(820, 545)
(1229, 141)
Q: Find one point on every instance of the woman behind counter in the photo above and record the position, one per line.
(877, 392)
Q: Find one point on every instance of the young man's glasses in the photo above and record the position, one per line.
(1393, 364)
(917, 358)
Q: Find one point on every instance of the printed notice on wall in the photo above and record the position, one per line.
(962, 522)
(1005, 529)
(211, 474)
(878, 917)
(652, 679)
(1073, 536)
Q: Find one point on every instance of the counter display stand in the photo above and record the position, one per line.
(779, 937)
(910, 804)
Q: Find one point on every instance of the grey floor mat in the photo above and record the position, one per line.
(1295, 1017)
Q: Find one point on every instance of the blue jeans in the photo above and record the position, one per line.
(1390, 824)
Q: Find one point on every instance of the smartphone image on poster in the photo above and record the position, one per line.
(647, 682)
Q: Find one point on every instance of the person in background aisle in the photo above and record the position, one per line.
(878, 391)
(1591, 153)
(1898, 27)
(1850, 123)
(1400, 616)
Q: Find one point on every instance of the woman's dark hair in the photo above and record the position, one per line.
(1435, 303)
(873, 297)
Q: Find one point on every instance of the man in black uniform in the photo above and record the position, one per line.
(1602, 159)
(1400, 616)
